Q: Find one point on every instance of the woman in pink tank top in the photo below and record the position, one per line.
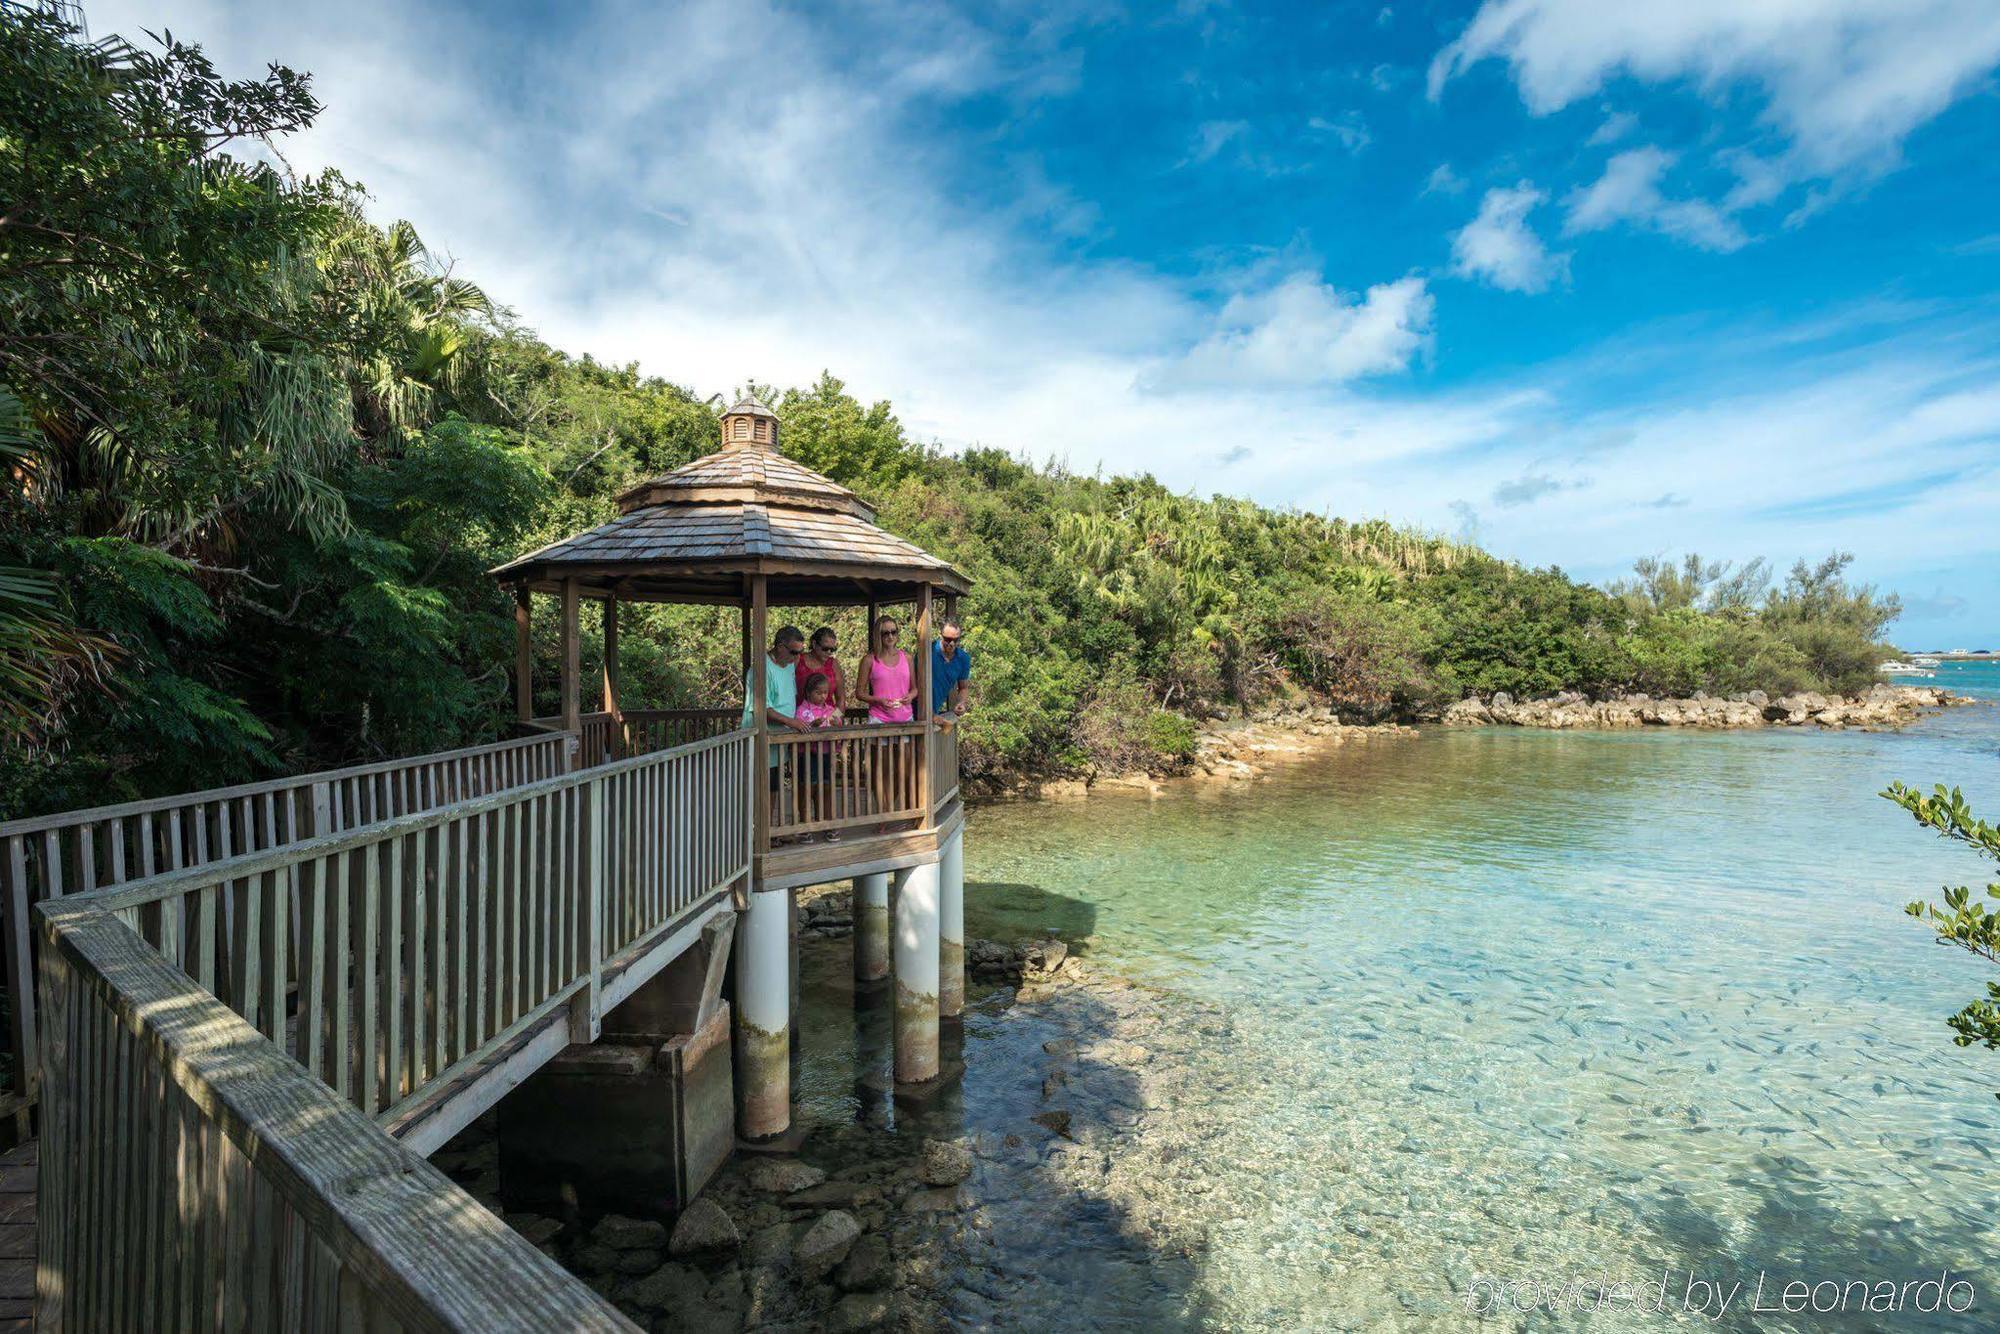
(886, 683)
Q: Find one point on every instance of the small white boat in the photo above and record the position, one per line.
(1904, 669)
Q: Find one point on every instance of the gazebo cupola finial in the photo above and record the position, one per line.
(750, 424)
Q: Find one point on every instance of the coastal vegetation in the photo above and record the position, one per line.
(1963, 919)
(263, 449)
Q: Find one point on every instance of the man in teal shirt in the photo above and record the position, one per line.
(781, 685)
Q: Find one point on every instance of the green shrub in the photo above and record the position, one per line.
(1171, 735)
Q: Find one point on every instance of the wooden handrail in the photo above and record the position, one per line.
(194, 1176)
(155, 805)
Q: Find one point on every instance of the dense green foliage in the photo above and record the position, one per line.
(263, 451)
(1963, 920)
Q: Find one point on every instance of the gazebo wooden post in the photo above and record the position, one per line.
(617, 729)
(922, 713)
(867, 634)
(524, 656)
(760, 712)
(572, 661)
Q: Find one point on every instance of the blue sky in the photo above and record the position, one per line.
(1587, 281)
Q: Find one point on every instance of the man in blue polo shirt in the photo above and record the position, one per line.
(951, 671)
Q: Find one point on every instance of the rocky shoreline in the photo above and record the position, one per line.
(1882, 706)
(1247, 749)
(1235, 751)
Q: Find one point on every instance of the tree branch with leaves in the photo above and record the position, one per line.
(1963, 919)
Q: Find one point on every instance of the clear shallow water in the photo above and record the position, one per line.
(1431, 1015)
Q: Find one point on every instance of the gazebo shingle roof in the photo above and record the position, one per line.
(744, 508)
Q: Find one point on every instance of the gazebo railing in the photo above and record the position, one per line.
(854, 777)
(647, 730)
(944, 765)
(603, 737)
(847, 777)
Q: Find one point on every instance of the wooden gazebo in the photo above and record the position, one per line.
(748, 526)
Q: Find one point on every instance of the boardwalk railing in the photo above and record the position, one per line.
(78, 851)
(192, 1177)
(426, 948)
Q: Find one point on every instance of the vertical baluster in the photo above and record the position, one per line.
(340, 1056)
(461, 868)
(416, 926)
(367, 978)
(531, 898)
(173, 910)
(516, 891)
(277, 946)
(86, 856)
(316, 911)
(246, 960)
(393, 971)
(481, 947)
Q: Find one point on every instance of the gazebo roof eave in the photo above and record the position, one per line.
(803, 582)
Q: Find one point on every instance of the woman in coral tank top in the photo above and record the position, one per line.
(887, 683)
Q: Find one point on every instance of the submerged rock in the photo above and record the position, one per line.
(671, 1287)
(859, 1311)
(866, 1267)
(944, 1164)
(782, 1176)
(703, 1226)
(628, 1234)
(825, 1244)
(1055, 1120)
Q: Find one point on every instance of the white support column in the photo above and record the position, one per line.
(916, 1018)
(871, 928)
(764, 1016)
(951, 926)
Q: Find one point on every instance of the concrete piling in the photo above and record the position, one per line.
(951, 927)
(871, 929)
(916, 958)
(764, 1016)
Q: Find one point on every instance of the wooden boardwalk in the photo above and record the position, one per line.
(17, 1237)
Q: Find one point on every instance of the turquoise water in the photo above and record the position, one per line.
(1474, 1026)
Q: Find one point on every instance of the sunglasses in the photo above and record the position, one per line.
(949, 639)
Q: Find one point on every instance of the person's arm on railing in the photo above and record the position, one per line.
(786, 720)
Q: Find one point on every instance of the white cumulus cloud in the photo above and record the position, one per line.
(1303, 332)
(1629, 192)
(1845, 81)
(1499, 247)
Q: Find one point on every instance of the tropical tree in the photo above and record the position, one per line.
(1964, 919)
